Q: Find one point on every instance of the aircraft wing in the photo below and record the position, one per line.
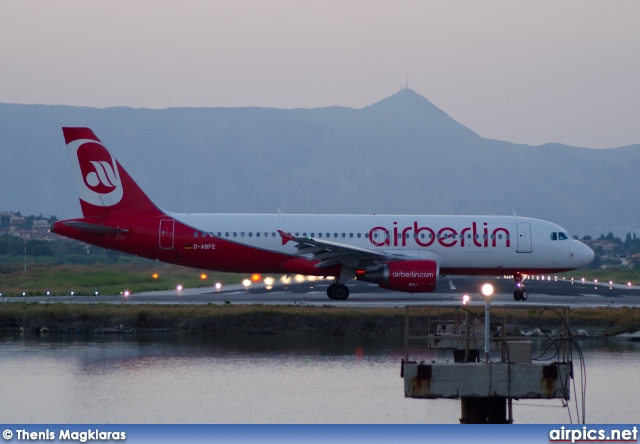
(331, 253)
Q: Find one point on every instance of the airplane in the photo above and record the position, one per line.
(398, 252)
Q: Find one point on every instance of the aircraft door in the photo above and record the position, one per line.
(166, 233)
(524, 238)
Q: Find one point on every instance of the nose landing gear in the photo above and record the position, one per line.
(519, 294)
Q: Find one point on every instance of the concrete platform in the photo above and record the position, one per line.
(470, 380)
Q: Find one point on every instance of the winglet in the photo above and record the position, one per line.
(286, 237)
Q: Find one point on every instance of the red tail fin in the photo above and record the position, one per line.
(104, 186)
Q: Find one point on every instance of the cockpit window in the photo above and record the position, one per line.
(559, 236)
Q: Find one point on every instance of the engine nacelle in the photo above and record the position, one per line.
(417, 276)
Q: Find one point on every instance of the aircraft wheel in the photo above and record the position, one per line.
(330, 291)
(524, 296)
(340, 292)
(516, 295)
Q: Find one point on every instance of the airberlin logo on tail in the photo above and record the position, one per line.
(102, 179)
(97, 173)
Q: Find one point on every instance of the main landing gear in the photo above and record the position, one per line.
(519, 294)
(338, 292)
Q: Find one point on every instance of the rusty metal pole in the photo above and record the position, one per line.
(406, 333)
(428, 326)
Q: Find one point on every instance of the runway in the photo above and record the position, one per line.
(550, 292)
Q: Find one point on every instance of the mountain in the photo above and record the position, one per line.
(399, 155)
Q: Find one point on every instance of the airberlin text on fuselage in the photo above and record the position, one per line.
(447, 236)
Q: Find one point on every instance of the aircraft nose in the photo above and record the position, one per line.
(586, 254)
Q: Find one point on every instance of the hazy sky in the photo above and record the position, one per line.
(523, 71)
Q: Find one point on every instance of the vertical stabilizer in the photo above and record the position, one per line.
(104, 186)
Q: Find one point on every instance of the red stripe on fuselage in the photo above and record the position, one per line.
(143, 240)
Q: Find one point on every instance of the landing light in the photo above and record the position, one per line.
(582, 279)
(95, 294)
(299, 278)
(179, 287)
(629, 284)
(246, 283)
(72, 293)
(48, 293)
(465, 299)
(268, 280)
(126, 293)
(218, 285)
(285, 279)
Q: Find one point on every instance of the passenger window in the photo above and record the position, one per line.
(319, 234)
(242, 234)
(359, 235)
(258, 234)
(344, 235)
(235, 234)
(351, 235)
(195, 234)
(250, 234)
(366, 235)
(273, 234)
(226, 234)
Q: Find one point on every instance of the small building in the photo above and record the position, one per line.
(41, 225)
(17, 220)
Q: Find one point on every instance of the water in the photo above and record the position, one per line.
(156, 378)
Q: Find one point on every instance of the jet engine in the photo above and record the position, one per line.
(414, 276)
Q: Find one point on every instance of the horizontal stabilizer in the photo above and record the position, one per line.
(93, 228)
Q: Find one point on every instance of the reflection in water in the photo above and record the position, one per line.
(297, 378)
